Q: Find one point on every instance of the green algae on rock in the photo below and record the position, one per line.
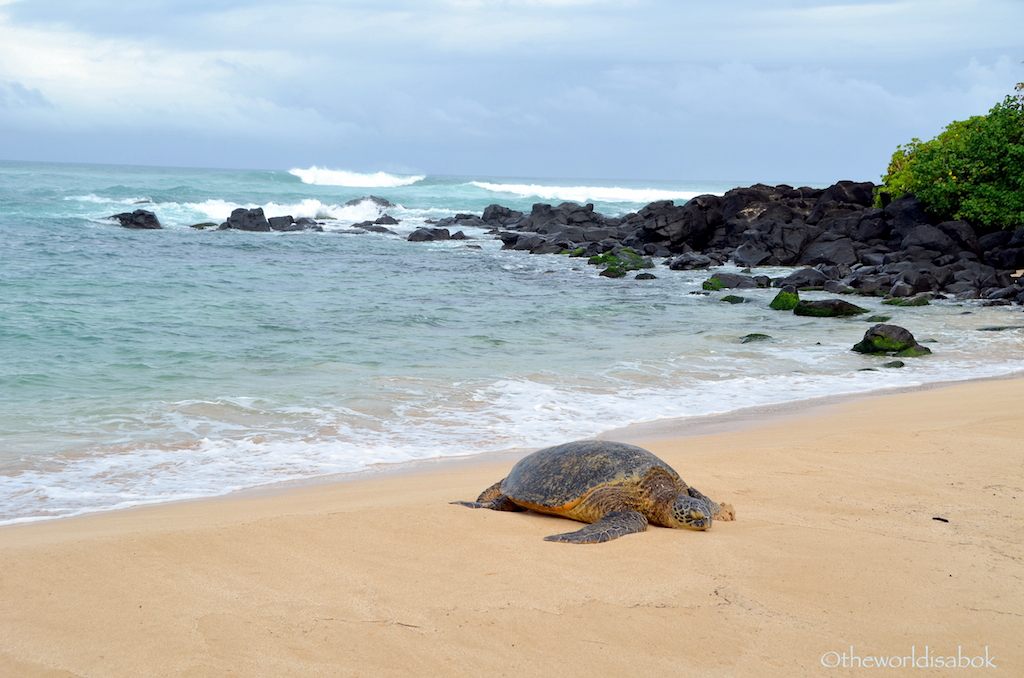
(828, 308)
(894, 340)
(785, 301)
(920, 300)
(617, 265)
(754, 336)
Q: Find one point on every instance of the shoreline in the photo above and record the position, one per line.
(882, 523)
(637, 434)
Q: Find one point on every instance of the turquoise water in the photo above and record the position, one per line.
(145, 366)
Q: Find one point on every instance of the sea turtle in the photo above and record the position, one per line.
(618, 488)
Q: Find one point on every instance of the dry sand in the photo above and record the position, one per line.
(836, 545)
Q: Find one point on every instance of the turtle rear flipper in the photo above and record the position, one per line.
(612, 526)
(493, 499)
(502, 503)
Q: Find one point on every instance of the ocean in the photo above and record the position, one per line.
(148, 366)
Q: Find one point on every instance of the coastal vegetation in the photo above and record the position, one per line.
(974, 170)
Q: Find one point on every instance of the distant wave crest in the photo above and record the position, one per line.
(320, 176)
(588, 193)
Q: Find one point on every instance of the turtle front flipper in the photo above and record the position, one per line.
(612, 526)
(493, 499)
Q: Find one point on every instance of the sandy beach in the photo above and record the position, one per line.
(838, 545)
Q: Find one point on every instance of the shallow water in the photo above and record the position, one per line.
(143, 366)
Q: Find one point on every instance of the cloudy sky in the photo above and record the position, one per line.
(748, 90)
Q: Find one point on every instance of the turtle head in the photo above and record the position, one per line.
(691, 514)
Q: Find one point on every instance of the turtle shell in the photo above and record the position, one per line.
(559, 477)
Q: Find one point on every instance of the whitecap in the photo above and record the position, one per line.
(584, 194)
(219, 210)
(320, 176)
(99, 200)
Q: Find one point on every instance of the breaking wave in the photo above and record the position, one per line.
(588, 193)
(319, 176)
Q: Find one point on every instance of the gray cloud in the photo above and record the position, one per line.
(784, 90)
(15, 96)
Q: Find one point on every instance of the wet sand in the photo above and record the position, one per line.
(837, 544)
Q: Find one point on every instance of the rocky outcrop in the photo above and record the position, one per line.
(842, 242)
(835, 238)
(428, 234)
(379, 225)
(243, 219)
(139, 219)
(254, 219)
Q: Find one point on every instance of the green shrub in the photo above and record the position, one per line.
(974, 170)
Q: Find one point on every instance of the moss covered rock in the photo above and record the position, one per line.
(919, 300)
(733, 299)
(617, 265)
(894, 340)
(828, 308)
(754, 337)
(785, 301)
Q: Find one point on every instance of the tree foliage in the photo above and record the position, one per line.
(974, 170)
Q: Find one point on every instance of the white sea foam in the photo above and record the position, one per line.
(99, 200)
(361, 352)
(320, 176)
(522, 412)
(219, 210)
(583, 194)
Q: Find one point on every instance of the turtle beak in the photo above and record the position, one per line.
(699, 520)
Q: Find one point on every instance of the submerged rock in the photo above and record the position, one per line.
(380, 202)
(732, 280)
(827, 308)
(617, 264)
